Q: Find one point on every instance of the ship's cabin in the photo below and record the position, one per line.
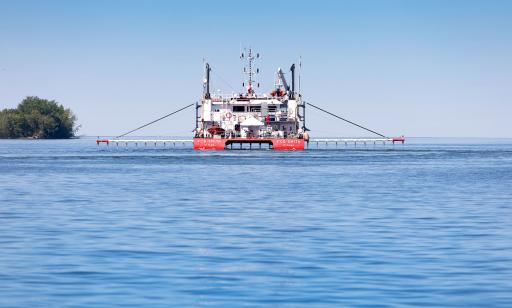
(249, 117)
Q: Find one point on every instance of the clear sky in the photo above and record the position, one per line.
(419, 68)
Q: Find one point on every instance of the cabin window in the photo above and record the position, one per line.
(272, 108)
(238, 108)
(255, 108)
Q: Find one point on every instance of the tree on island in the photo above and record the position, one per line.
(37, 118)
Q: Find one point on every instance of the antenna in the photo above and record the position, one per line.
(249, 69)
(300, 69)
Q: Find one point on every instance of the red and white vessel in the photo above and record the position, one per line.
(274, 119)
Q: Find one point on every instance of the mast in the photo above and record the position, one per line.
(292, 69)
(207, 70)
(249, 70)
(303, 104)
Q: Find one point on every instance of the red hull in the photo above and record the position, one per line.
(220, 143)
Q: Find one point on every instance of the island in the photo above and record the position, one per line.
(37, 118)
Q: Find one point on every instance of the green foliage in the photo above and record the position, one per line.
(37, 118)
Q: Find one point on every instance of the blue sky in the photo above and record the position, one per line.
(419, 68)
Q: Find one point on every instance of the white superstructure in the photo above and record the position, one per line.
(276, 114)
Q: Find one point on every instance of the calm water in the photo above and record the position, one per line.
(427, 224)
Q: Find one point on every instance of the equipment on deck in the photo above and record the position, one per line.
(276, 119)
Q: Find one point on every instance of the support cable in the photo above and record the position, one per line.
(224, 81)
(147, 124)
(332, 114)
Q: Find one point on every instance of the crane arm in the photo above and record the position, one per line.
(280, 74)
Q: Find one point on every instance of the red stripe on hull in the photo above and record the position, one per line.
(288, 144)
(219, 144)
(209, 144)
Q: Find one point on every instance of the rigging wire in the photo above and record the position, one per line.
(223, 80)
(332, 114)
(147, 124)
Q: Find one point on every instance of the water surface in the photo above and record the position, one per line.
(426, 224)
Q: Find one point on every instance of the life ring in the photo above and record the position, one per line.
(228, 115)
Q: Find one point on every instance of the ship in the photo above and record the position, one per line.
(275, 119)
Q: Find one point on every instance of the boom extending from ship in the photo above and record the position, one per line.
(276, 119)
